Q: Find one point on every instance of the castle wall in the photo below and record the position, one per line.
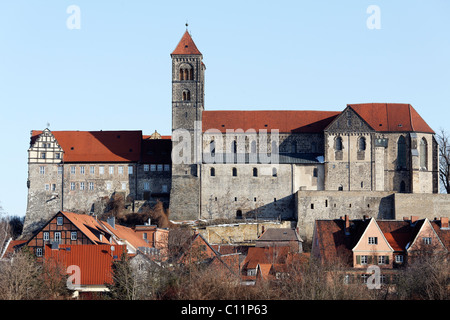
(263, 196)
(312, 205)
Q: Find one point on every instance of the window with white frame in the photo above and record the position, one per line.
(91, 186)
(46, 236)
(373, 240)
(82, 169)
(251, 272)
(364, 259)
(153, 167)
(82, 186)
(60, 170)
(73, 235)
(57, 237)
(399, 258)
(382, 259)
(124, 186)
(59, 221)
(73, 170)
(42, 170)
(111, 169)
(108, 186)
(120, 169)
(91, 169)
(39, 252)
(57, 156)
(130, 169)
(72, 186)
(426, 240)
(47, 187)
(42, 155)
(53, 187)
(146, 167)
(101, 169)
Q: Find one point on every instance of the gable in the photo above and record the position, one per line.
(374, 231)
(349, 121)
(426, 230)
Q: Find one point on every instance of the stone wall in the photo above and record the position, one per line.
(422, 205)
(224, 195)
(239, 233)
(317, 205)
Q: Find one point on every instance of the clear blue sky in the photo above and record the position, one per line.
(114, 73)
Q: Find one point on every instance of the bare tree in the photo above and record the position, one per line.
(443, 140)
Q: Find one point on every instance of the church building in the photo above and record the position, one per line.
(231, 164)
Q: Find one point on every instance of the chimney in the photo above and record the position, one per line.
(111, 221)
(347, 225)
(444, 223)
(414, 219)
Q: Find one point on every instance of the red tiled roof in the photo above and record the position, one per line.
(10, 247)
(94, 261)
(397, 233)
(86, 224)
(186, 46)
(98, 146)
(288, 121)
(128, 234)
(391, 117)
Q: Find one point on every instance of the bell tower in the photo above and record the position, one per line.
(188, 78)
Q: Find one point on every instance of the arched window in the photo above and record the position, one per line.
(234, 172)
(213, 172)
(338, 145)
(234, 146)
(423, 153)
(402, 186)
(212, 147)
(401, 153)
(255, 172)
(186, 73)
(186, 95)
(362, 144)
